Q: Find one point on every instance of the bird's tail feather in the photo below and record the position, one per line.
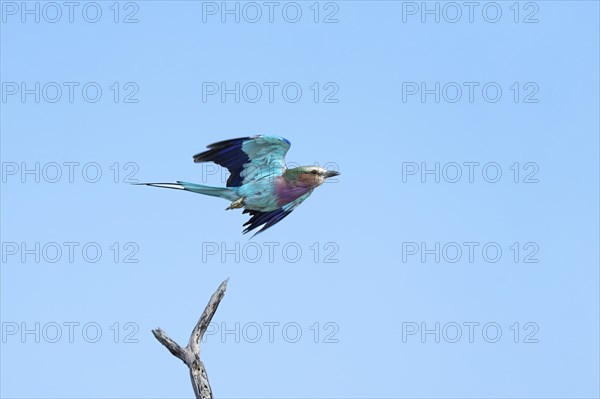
(228, 193)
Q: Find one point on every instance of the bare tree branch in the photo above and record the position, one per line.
(190, 355)
(171, 345)
(206, 317)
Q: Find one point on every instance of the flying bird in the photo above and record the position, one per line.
(259, 181)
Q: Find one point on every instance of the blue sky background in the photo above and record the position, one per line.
(375, 289)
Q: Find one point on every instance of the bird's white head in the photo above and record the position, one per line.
(309, 176)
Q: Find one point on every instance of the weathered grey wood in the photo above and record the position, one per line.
(171, 345)
(206, 317)
(190, 355)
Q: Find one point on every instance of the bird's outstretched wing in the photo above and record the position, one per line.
(269, 219)
(248, 158)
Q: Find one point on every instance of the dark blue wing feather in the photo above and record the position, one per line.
(271, 218)
(247, 158)
(228, 154)
(267, 219)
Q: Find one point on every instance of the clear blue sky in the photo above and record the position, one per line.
(354, 268)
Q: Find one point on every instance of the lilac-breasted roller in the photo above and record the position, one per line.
(259, 180)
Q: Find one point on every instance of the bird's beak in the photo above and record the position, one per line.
(331, 173)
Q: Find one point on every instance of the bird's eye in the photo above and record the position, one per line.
(314, 172)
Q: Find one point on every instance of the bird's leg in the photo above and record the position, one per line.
(239, 203)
